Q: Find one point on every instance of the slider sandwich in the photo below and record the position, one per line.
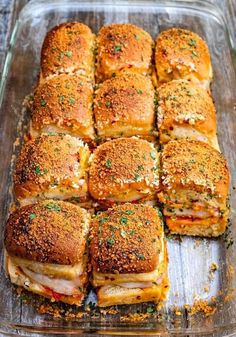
(46, 252)
(186, 110)
(123, 47)
(194, 188)
(182, 54)
(68, 48)
(123, 170)
(52, 166)
(128, 256)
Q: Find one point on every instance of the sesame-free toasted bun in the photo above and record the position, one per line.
(51, 166)
(64, 103)
(118, 295)
(124, 169)
(185, 110)
(18, 278)
(126, 239)
(49, 231)
(68, 48)
(208, 227)
(123, 47)
(194, 165)
(124, 106)
(182, 54)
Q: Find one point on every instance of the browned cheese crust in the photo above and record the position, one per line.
(122, 165)
(182, 54)
(64, 101)
(194, 165)
(126, 239)
(49, 231)
(124, 106)
(182, 103)
(123, 47)
(49, 161)
(68, 47)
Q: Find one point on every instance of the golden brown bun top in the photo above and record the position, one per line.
(183, 102)
(48, 159)
(194, 165)
(126, 97)
(67, 45)
(125, 45)
(64, 97)
(49, 231)
(180, 47)
(126, 239)
(121, 161)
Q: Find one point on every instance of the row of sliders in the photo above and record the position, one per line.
(72, 48)
(126, 105)
(189, 178)
(124, 246)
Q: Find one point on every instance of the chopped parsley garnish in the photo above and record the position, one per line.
(139, 91)
(76, 199)
(129, 212)
(108, 104)
(61, 56)
(123, 220)
(71, 100)
(137, 37)
(150, 310)
(147, 222)
(136, 177)
(123, 233)
(43, 102)
(153, 155)
(61, 99)
(53, 207)
(192, 43)
(108, 163)
(140, 256)
(68, 53)
(131, 232)
(194, 53)
(155, 101)
(102, 220)
(38, 170)
(117, 48)
(32, 216)
(110, 241)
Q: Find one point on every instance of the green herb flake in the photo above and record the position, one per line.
(61, 99)
(71, 100)
(53, 207)
(129, 212)
(102, 220)
(194, 53)
(153, 155)
(38, 170)
(108, 163)
(32, 216)
(150, 310)
(68, 53)
(110, 241)
(123, 221)
(139, 91)
(192, 43)
(43, 102)
(140, 256)
(131, 232)
(61, 56)
(147, 222)
(117, 48)
(108, 104)
(136, 177)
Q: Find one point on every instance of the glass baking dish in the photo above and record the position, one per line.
(199, 270)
